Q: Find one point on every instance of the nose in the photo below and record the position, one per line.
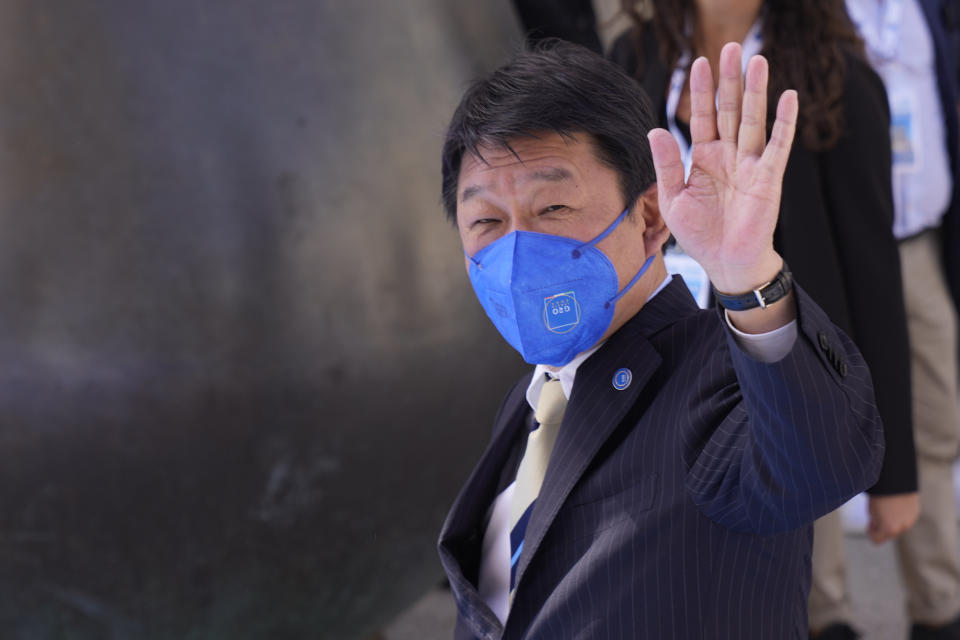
(519, 223)
(510, 221)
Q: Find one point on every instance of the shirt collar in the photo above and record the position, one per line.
(568, 372)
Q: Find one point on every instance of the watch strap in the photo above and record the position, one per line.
(762, 296)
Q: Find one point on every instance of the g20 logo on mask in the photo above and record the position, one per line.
(561, 313)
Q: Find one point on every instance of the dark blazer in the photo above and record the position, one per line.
(836, 232)
(941, 14)
(681, 506)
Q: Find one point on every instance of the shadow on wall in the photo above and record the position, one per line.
(242, 373)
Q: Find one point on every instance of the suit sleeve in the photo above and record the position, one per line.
(856, 178)
(804, 436)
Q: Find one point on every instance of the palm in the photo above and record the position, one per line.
(725, 213)
(725, 207)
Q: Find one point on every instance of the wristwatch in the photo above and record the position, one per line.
(761, 297)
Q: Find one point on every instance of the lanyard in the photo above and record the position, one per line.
(751, 46)
(882, 29)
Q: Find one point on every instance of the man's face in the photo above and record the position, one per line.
(558, 187)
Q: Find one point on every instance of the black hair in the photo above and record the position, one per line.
(561, 88)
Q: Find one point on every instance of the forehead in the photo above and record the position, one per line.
(547, 156)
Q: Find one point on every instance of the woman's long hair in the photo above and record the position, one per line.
(804, 42)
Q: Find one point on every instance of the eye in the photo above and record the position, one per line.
(552, 208)
(483, 221)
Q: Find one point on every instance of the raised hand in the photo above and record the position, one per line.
(725, 214)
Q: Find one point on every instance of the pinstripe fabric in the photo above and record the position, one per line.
(681, 506)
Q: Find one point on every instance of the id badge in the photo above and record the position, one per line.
(904, 133)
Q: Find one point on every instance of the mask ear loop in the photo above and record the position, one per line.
(613, 225)
(643, 269)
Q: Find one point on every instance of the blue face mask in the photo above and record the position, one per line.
(550, 297)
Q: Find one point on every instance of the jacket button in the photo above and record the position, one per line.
(822, 338)
(843, 369)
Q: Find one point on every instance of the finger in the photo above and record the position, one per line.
(703, 113)
(667, 163)
(753, 120)
(877, 533)
(730, 93)
(778, 149)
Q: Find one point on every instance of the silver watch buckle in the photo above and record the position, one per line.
(759, 297)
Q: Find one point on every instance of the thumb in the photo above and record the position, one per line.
(667, 163)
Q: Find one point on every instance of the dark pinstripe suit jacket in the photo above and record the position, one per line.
(835, 229)
(681, 506)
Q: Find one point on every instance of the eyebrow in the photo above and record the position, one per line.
(553, 174)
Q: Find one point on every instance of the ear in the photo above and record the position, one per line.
(655, 232)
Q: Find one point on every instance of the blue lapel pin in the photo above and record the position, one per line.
(622, 379)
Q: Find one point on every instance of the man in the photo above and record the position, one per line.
(910, 50)
(657, 475)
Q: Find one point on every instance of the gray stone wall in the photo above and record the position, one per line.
(242, 373)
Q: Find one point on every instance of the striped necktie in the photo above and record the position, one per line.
(533, 466)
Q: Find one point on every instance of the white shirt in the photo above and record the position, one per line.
(494, 580)
(901, 51)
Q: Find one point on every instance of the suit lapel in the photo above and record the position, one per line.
(597, 406)
(462, 533)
